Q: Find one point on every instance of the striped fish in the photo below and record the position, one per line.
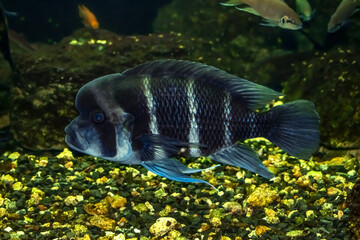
(161, 109)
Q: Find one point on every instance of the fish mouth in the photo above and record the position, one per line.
(75, 140)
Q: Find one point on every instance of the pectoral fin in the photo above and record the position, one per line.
(269, 23)
(173, 170)
(249, 10)
(242, 156)
(155, 147)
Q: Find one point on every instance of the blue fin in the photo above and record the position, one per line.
(250, 94)
(174, 170)
(295, 128)
(242, 156)
(161, 147)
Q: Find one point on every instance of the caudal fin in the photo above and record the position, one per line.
(295, 128)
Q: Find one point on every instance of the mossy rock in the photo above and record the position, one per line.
(353, 203)
(330, 80)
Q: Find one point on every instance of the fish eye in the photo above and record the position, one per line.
(98, 117)
(283, 20)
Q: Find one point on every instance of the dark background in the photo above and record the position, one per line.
(51, 20)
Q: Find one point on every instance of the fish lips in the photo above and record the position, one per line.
(74, 139)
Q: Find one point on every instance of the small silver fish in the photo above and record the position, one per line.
(275, 12)
(166, 108)
(342, 14)
(303, 8)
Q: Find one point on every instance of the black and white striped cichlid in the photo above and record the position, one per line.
(165, 108)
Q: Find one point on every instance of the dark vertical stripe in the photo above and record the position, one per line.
(134, 102)
(107, 138)
(210, 117)
(171, 104)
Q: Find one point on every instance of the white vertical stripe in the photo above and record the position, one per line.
(227, 117)
(194, 129)
(151, 108)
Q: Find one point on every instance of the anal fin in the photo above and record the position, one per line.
(174, 170)
(242, 156)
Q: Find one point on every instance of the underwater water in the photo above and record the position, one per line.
(50, 49)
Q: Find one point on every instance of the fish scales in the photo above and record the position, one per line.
(171, 106)
(151, 113)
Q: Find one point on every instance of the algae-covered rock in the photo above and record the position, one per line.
(262, 196)
(331, 81)
(162, 226)
(102, 222)
(353, 203)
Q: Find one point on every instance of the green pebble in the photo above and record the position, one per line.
(21, 212)
(350, 164)
(299, 220)
(352, 173)
(141, 207)
(315, 174)
(293, 213)
(295, 233)
(160, 193)
(324, 167)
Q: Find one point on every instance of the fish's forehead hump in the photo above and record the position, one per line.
(87, 94)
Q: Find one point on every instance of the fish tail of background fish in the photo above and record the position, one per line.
(295, 128)
(4, 38)
(232, 3)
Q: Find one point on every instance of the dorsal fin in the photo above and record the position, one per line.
(251, 94)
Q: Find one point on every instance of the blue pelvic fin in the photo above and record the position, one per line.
(174, 170)
(295, 128)
(242, 156)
